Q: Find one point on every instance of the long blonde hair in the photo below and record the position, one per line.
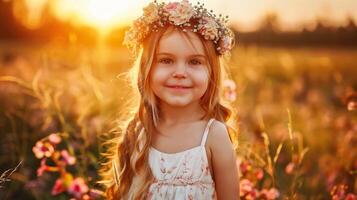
(126, 170)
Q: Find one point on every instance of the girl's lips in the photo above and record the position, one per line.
(178, 88)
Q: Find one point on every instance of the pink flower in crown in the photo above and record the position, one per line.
(179, 13)
(67, 158)
(225, 43)
(208, 28)
(171, 6)
(151, 13)
(43, 149)
(78, 188)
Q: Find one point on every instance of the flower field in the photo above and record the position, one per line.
(297, 112)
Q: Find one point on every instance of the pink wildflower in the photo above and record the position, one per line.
(351, 196)
(54, 138)
(229, 90)
(245, 167)
(95, 193)
(67, 158)
(42, 149)
(290, 168)
(58, 187)
(42, 168)
(338, 192)
(270, 194)
(78, 188)
(246, 187)
(352, 105)
(259, 174)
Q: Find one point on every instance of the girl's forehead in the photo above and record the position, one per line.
(182, 43)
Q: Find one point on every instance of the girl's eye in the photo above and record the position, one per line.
(195, 62)
(165, 60)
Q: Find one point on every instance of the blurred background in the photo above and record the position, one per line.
(294, 69)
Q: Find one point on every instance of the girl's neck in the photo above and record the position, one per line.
(177, 115)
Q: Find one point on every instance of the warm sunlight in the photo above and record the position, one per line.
(102, 14)
(105, 14)
(29, 12)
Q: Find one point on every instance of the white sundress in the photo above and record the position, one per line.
(182, 175)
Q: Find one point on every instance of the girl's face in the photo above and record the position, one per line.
(179, 76)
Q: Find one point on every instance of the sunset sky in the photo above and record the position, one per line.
(245, 14)
(291, 12)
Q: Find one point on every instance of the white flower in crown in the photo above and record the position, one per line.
(129, 37)
(208, 28)
(151, 13)
(136, 33)
(226, 43)
(179, 13)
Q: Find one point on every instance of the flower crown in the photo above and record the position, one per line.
(187, 17)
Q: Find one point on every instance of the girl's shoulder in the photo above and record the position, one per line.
(218, 139)
(218, 130)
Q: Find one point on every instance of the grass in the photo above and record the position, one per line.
(296, 134)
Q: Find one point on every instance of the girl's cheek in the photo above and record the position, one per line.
(203, 74)
(201, 78)
(160, 73)
(163, 71)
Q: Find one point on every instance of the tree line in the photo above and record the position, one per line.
(268, 32)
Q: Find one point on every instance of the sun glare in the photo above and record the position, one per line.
(101, 14)
(105, 14)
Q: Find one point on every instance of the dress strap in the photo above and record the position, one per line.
(205, 134)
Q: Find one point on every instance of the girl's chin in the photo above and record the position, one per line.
(177, 102)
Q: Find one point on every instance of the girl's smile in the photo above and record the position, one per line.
(179, 88)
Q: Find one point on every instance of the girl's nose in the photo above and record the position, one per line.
(180, 71)
(179, 75)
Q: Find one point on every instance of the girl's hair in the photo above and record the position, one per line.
(126, 167)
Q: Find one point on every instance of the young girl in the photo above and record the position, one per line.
(177, 144)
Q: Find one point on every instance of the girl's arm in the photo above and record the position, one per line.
(223, 162)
